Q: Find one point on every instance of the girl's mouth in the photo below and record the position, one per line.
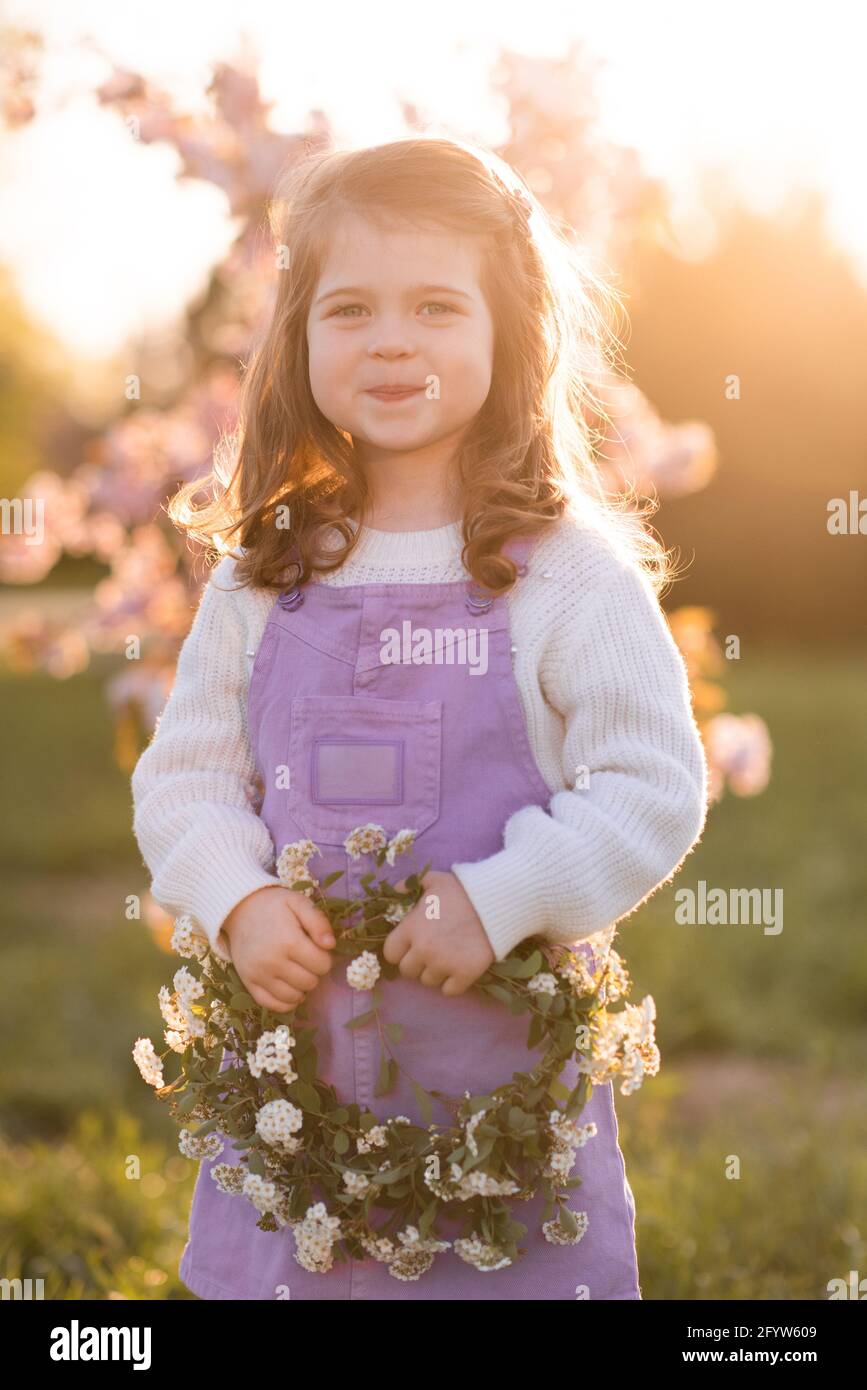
(390, 394)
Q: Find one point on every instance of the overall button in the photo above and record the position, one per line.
(477, 604)
(291, 598)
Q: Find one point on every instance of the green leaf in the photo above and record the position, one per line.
(387, 1074)
(558, 1090)
(362, 1018)
(511, 968)
(242, 1001)
(424, 1102)
(332, 878)
(426, 1219)
(394, 1175)
(533, 1096)
(518, 969)
(567, 1221)
(394, 1031)
(532, 965)
(341, 1141)
(519, 1119)
(306, 1095)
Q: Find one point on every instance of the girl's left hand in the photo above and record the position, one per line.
(451, 949)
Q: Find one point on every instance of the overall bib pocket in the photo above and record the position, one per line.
(354, 759)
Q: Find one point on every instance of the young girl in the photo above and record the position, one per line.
(414, 459)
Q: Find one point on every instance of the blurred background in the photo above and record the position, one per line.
(709, 159)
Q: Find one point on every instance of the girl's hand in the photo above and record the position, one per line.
(280, 945)
(452, 950)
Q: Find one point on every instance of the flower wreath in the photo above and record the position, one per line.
(319, 1165)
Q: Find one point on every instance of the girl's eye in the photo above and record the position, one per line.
(342, 311)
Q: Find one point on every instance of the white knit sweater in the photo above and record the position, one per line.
(602, 685)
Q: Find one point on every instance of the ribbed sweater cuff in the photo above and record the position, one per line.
(505, 896)
(226, 882)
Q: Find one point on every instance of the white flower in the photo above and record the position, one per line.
(578, 974)
(469, 1131)
(476, 1251)
(414, 1257)
(208, 1146)
(363, 972)
(183, 1026)
(543, 984)
(568, 1132)
(314, 1237)
(148, 1063)
(479, 1184)
(558, 1235)
(366, 839)
(274, 1054)
(395, 912)
(559, 1164)
(219, 1015)
(187, 987)
(417, 1255)
(188, 939)
(292, 864)
(624, 1044)
(399, 844)
(178, 1008)
(376, 1137)
(261, 1192)
(277, 1122)
(229, 1178)
(356, 1184)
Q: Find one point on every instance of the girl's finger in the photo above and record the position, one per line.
(303, 950)
(294, 976)
(411, 964)
(432, 977)
(280, 1003)
(314, 922)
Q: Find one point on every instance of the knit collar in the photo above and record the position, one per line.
(441, 545)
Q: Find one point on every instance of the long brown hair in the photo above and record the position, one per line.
(529, 455)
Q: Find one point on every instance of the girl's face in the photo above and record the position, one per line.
(399, 309)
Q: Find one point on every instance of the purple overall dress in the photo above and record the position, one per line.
(440, 748)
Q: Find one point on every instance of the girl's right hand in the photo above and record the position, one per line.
(279, 942)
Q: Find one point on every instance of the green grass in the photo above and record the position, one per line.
(761, 1036)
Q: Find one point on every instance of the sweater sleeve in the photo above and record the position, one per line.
(200, 837)
(623, 826)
